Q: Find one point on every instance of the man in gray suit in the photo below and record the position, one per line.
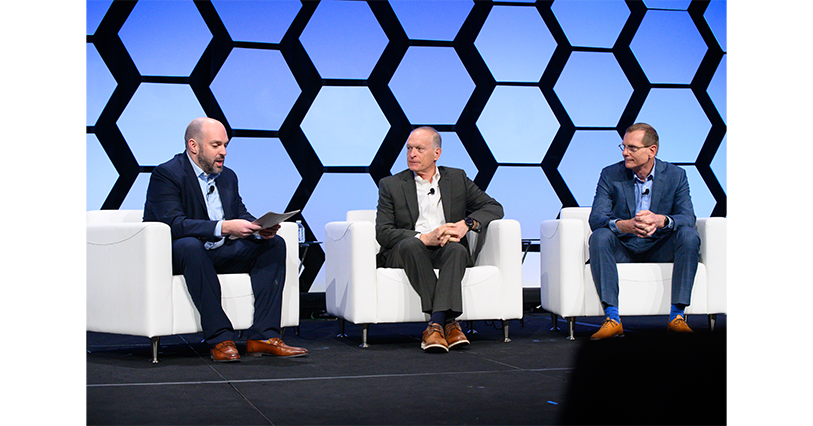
(642, 212)
(423, 216)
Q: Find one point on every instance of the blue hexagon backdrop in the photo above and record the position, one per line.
(531, 98)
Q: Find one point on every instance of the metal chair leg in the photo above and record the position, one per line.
(364, 329)
(154, 343)
(571, 326)
(555, 320)
(341, 328)
(712, 321)
(505, 331)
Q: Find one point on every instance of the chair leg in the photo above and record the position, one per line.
(154, 343)
(712, 321)
(364, 329)
(571, 326)
(505, 331)
(555, 320)
(341, 328)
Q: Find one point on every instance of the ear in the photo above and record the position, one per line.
(437, 153)
(192, 146)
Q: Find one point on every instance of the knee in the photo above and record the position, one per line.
(456, 249)
(688, 237)
(410, 245)
(188, 246)
(601, 238)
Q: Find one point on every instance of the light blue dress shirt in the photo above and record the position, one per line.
(213, 204)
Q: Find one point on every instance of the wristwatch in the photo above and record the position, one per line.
(471, 224)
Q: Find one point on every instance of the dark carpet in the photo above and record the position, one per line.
(540, 377)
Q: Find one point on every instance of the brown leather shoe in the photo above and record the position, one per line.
(678, 325)
(610, 328)
(225, 352)
(454, 335)
(434, 340)
(274, 347)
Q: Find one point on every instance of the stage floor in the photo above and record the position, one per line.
(539, 377)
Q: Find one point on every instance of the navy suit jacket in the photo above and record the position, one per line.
(398, 205)
(615, 196)
(175, 198)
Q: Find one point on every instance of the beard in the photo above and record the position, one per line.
(210, 165)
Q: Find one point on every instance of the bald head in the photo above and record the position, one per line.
(206, 142)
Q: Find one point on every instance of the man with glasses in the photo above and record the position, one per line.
(642, 212)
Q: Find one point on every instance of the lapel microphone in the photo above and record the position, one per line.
(646, 192)
(211, 189)
(431, 191)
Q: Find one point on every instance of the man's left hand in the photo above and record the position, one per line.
(268, 233)
(646, 223)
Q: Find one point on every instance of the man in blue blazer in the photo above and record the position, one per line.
(423, 216)
(212, 232)
(642, 212)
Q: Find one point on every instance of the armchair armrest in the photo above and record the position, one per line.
(290, 291)
(350, 270)
(502, 247)
(561, 249)
(713, 237)
(129, 278)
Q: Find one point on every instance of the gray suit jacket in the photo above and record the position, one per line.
(615, 196)
(398, 205)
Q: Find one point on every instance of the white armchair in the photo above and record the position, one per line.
(131, 289)
(567, 287)
(358, 292)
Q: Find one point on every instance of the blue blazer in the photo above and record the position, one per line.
(615, 196)
(175, 198)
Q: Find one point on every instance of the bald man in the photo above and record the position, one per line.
(197, 196)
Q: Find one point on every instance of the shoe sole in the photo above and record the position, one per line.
(605, 338)
(434, 348)
(278, 356)
(226, 360)
(459, 342)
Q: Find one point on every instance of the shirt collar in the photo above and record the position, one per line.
(435, 178)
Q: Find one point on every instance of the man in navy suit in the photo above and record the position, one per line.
(212, 232)
(642, 212)
(423, 216)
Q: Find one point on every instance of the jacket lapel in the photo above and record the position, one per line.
(411, 195)
(192, 184)
(629, 192)
(658, 183)
(445, 186)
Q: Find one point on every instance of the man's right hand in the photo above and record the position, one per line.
(440, 236)
(239, 228)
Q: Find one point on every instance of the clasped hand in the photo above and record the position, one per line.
(644, 224)
(445, 233)
(240, 228)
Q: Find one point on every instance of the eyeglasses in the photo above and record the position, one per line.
(633, 149)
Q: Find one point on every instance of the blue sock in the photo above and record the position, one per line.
(675, 311)
(438, 318)
(611, 312)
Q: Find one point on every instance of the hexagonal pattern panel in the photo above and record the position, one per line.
(518, 124)
(591, 23)
(446, 83)
(255, 89)
(531, 98)
(165, 37)
(344, 126)
(155, 119)
(668, 46)
(520, 54)
(431, 19)
(344, 40)
(593, 89)
(259, 21)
